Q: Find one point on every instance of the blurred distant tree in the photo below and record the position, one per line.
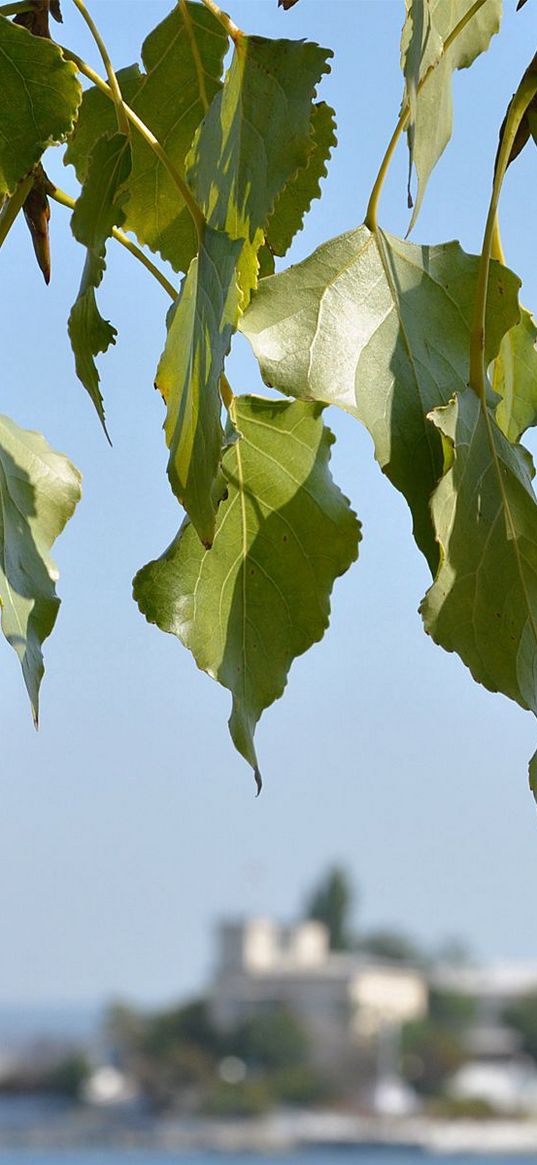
(275, 1041)
(330, 903)
(522, 1015)
(249, 1098)
(124, 1029)
(68, 1076)
(453, 1010)
(63, 1074)
(432, 1052)
(175, 1056)
(189, 1024)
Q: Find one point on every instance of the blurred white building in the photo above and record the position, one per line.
(342, 999)
(496, 1070)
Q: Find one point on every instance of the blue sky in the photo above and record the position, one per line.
(128, 825)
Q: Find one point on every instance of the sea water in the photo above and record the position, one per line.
(346, 1156)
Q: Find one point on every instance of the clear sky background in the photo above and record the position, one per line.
(128, 825)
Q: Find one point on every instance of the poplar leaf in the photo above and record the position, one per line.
(260, 596)
(255, 137)
(39, 97)
(381, 328)
(183, 59)
(428, 25)
(39, 490)
(200, 325)
(256, 134)
(296, 198)
(514, 378)
(483, 602)
(98, 209)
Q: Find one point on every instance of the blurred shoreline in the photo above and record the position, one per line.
(46, 1126)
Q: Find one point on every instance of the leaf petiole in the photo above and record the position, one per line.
(525, 93)
(65, 199)
(371, 216)
(144, 131)
(122, 120)
(227, 23)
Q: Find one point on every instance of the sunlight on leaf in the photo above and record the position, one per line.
(200, 326)
(260, 597)
(381, 328)
(183, 59)
(39, 490)
(40, 97)
(428, 25)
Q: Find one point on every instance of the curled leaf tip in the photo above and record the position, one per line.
(258, 781)
(532, 772)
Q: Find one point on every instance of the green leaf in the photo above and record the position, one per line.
(532, 771)
(514, 378)
(200, 325)
(244, 153)
(483, 602)
(429, 26)
(39, 490)
(381, 328)
(296, 198)
(260, 596)
(97, 118)
(98, 210)
(40, 98)
(183, 61)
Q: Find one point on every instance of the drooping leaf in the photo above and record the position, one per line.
(381, 328)
(39, 97)
(438, 38)
(183, 65)
(244, 153)
(419, 41)
(200, 326)
(483, 602)
(296, 198)
(260, 596)
(514, 378)
(39, 490)
(255, 137)
(98, 209)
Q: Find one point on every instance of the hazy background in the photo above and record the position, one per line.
(129, 824)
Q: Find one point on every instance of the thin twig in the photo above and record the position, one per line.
(65, 199)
